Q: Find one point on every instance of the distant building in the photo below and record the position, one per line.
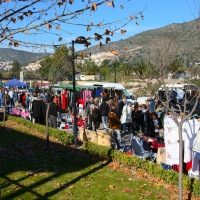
(90, 77)
(33, 66)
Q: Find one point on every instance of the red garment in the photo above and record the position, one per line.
(81, 101)
(24, 100)
(64, 100)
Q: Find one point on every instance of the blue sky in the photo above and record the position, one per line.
(157, 13)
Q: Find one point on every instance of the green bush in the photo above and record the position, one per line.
(196, 187)
(62, 136)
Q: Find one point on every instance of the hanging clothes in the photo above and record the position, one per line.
(189, 131)
(86, 94)
(38, 111)
(98, 92)
(64, 100)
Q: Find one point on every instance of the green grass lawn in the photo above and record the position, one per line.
(29, 170)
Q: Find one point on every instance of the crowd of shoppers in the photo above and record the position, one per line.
(124, 116)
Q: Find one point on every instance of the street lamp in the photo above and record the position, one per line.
(79, 40)
(115, 73)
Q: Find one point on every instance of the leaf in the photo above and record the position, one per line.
(57, 185)
(137, 23)
(114, 52)
(99, 25)
(83, 55)
(59, 4)
(13, 20)
(89, 38)
(71, 1)
(111, 186)
(111, 3)
(88, 28)
(98, 36)
(94, 7)
(58, 27)
(127, 190)
(107, 32)
(87, 44)
(123, 31)
(60, 39)
(48, 26)
(10, 43)
(20, 17)
(107, 40)
(100, 45)
(148, 193)
(122, 7)
(29, 13)
(16, 44)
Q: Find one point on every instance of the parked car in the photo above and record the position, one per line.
(181, 76)
(189, 89)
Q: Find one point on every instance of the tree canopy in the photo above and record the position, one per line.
(56, 67)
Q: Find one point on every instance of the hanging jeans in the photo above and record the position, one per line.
(104, 121)
(52, 121)
(126, 125)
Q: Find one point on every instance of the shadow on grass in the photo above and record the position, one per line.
(25, 156)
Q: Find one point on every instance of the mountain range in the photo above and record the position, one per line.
(186, 35)
(24, 57)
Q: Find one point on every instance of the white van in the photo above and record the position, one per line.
(189, 90)
(185, 86)
(115, 86)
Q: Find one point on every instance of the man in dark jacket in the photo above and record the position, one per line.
(104, 110)
(147, 124)
(53, 114)
(120, 107)
(96, 117)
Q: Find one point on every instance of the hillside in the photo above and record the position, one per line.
(23, 57)
(185, 35)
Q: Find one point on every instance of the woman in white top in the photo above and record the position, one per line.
(126, 117)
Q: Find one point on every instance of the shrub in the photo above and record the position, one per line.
(62, 136)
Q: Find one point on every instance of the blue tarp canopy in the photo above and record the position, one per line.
(15, 83)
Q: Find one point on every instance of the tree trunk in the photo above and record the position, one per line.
(4, 113)
(180, 188)
(47, 125)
